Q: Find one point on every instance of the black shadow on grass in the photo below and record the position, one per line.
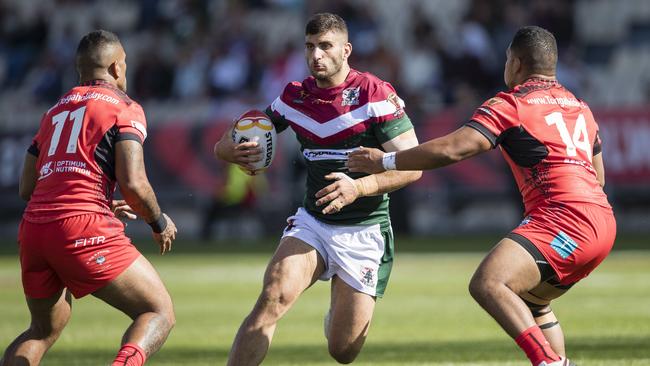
(602, 348)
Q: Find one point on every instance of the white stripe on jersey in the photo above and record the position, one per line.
(338, 124)
(326, 154)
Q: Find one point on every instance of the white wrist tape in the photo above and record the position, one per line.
(388, 161)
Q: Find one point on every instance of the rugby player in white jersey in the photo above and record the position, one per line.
(343, 231)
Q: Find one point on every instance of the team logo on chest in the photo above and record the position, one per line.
(350, 96)
(45, 171)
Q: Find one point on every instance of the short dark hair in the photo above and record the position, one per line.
(323, 22)
(91, 47)
(537, 49)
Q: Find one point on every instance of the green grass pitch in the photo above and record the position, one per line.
(426, 318)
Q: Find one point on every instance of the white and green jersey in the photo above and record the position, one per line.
(329, 123)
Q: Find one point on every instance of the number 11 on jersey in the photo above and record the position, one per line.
(58, 121)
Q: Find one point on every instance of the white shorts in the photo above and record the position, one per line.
(356, 253)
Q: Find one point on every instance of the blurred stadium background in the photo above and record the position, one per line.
(195, 65)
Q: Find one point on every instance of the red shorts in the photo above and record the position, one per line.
(82, 253)
(574, 240)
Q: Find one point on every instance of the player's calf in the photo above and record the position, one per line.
(343, 352)
(49, 318)
(538, 301)
(254, 336)
(139, 293)
(344, 341)
(158, 326)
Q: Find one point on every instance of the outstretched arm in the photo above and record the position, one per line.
(346, 190)
(385, 182)
(452, 148)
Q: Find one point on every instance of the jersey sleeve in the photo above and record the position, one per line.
(598, 148)
(276, 118)
(389, 130)
(273, 110)
(494, 117)
(386, 109)
(132, 124)
(37, 141)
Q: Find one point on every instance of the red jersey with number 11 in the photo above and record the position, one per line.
(75, 146)
(548, 137)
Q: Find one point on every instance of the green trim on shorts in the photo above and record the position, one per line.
(386, 264)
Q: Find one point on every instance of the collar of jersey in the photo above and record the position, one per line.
(97, 82)
(106, 84)
(540, 80)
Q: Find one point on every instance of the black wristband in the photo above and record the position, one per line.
(158, 225)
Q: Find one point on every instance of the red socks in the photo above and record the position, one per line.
(130, 355)
(537, 348)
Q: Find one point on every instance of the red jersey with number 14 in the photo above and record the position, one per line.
(75, 146)
(548, 137)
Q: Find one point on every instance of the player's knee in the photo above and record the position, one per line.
(170, 317)
(275, 299)
(538, 310)
(343, 353)
(479, 287)
(165, 316)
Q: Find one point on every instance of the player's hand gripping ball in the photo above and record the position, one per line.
(255, 126)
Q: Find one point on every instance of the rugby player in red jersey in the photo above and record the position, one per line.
(550, 140)
(343, 231)
(70, 239)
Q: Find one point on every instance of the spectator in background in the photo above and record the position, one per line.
(154, 77)
(557, 16)
(22, 44)
(232, 199)
(229, 71)
(45, 80)
(288, 65)
(190, 71)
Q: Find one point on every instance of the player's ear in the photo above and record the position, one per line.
(516, 64)
(347, 50)
(114, 70)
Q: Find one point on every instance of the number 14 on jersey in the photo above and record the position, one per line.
(579, 139)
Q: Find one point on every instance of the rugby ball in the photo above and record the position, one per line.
(256, 126)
